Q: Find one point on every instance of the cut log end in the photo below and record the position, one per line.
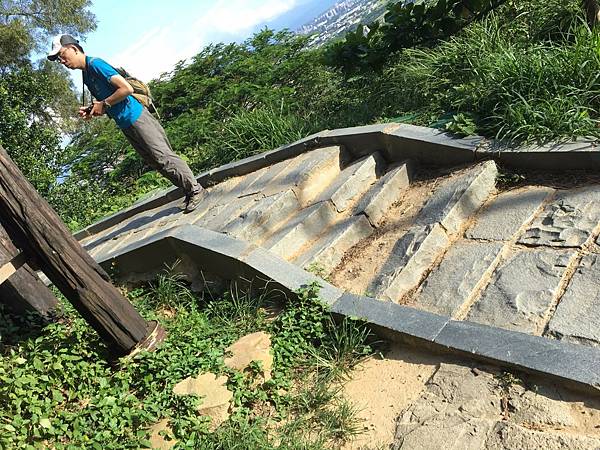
(151, 342)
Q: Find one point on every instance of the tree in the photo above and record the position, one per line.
(592, 11)
(26, 127)
(26, 24)
(37, 101)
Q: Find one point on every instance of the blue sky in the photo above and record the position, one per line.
(149, 37)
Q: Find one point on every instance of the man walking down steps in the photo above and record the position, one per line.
(113, 94)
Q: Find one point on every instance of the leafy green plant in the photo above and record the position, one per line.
(57, 390)
(421, 23)
(462, 125)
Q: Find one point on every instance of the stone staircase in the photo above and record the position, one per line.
(524, 259)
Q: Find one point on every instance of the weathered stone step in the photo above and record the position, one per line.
(458, 199)
(384, 193)
(449, 288)
(314, 173)
(577, 317)
(263, 217)
(353, 181)
(502, 218)
(303, 228)
(327, 252)
(412, 256)
(568, 221)
(522, 290)
(219, 216)
(442, 217)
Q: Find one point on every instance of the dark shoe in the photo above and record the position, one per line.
(192, 201)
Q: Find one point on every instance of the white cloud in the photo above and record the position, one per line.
(154, 53)
(238, 16)
(159, 49)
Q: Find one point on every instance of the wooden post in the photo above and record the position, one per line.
(37, 230)
(24, 291)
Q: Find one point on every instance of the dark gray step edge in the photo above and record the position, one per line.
(397, 142)
(574, 365)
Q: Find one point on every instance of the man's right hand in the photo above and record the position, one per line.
(85, 112)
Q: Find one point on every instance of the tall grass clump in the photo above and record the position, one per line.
(520, 75)
(247, 133)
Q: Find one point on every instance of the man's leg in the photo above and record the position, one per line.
(148, 138)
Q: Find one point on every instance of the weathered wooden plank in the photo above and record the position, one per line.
(38, 231)
(24, 291)
(11, 267)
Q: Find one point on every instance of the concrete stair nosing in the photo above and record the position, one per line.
(303, 228)
(328, 250)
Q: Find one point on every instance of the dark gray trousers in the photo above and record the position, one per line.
(148, 138)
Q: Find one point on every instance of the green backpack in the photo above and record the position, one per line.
(141, 91)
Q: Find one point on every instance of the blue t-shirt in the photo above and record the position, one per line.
(96, 76)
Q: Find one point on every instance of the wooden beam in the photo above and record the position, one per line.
(11, 267)
(38, 231)
(24, 291)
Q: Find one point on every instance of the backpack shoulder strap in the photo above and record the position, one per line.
(91, 58)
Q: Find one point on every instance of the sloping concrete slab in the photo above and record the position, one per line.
(568, 221)
(502, 218)
(449, 288)
(522, 290)
(577, 317)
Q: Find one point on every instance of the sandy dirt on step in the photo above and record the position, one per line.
(363, 262)
(381, 388)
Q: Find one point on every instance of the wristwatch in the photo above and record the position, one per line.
(106, 104)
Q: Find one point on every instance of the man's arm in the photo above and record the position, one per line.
(123, 90)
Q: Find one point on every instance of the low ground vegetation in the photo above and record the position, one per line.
(57, 389)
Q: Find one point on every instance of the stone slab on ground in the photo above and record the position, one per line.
(161, 436)
(459, 198)
(216, 398)
(327, 252)
(567, 221)
(303, 228)
(452, 284)
(457, 410)
(353, 181)
(263, 217)
(507, 213)
(410, 260)
(468, 407)
(393, 380)
(522, 290)
(577, 316)
(506, 436)
(383, 194)
(249, 348)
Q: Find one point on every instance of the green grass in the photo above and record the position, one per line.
(526, 73)
(57, 389)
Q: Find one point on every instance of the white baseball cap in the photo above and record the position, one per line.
(59, 42)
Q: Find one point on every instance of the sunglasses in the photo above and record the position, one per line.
(60, 56)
